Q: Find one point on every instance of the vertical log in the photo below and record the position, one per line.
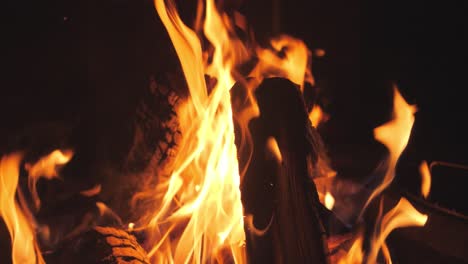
(280, 195)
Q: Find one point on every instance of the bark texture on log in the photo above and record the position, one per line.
(281, 196)
(100, 245)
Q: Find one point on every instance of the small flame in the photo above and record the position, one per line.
(24, 246)
(402, 215)
(425, 179)
(317, 116)
(355, 254)
(93, 191)
(288, 58)
(272, 147)
(45, 167)
(329, 200)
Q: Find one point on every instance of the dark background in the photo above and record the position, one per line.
(75, 71)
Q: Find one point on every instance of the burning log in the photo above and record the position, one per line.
(106, 245)
(279, 192)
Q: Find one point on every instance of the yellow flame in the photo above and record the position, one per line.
(329, 200)
(355, 253)
(24, 247)
(288, 58)
(395, 136)
(317, 116)
(425, 179)
(402, 215)
(200, 218)
(45, 167)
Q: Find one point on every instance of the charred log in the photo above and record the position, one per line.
(280, 195)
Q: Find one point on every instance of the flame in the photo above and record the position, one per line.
(93, 191)
(317, 116)
(395, 136)
(402, 215)
(288, 57)
(329, 200)
(273, 148)
(45, 167)
(200, 218)
(24, 247)
(425, 179)
(355, 254)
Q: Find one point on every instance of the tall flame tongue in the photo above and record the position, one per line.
(201, 216)
(16, 215)
(395, 136)
(24, 247)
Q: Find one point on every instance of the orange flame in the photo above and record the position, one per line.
(200, 218)
(402, 215)
(45, 167)
(24, 247)
(395, 136)
(425, 179)
(317, 116)
(273, 148)
(288, 58)
(355, 254)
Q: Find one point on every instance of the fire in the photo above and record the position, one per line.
(317, 116)
(200, 218)
(24, 247)
(272, 147)
(402, 215)
(45, 167)
(288, 58)
(425, 179)
(395, 136)
(329, 200)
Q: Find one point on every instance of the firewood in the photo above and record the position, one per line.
(280, 195)
(104, 245)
